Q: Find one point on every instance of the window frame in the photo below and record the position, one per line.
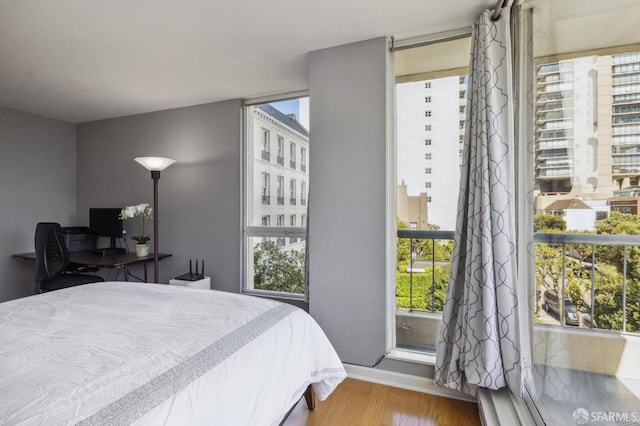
(247, 230)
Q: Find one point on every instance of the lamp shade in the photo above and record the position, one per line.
(154, 164)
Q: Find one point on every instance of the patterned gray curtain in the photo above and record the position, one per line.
(479, 340)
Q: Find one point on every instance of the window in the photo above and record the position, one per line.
(292, 192)
(266, 195)
(430, 205)
(266, 245)
(303, 159)
(280, 153)
(584, 284)
(266, 145)
(427, 113)
(427, 99)
(292, 155)
(461, 124)
(280, 194)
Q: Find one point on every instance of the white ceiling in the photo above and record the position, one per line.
(82, 60)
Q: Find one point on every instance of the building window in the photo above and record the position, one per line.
(428, 198)
(461, 109)
(280, 194)
(292, 155)
(427, 127)
(427, 156)
(427, 113)
(303, 159)
(265, 246)
(463, 94)
(266, 145)
(427, 142)
(461, 124)
(461, 79)
(427, 85)
(280, 153)
(266, 195)
(413, 225)
(428, 170)
(427, 185)
(292, 192)
(427, 99)
(461, 139)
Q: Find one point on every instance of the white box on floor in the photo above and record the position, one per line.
(204, 283)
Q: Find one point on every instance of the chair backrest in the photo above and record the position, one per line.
(52, 257)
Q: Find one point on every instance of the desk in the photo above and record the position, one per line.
(119, 261)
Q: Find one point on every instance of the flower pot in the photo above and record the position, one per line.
(142, 250)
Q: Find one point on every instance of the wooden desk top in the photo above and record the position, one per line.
(91, 259)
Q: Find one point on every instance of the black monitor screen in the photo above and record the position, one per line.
(105, 222)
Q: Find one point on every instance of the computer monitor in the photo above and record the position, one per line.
(106, 222)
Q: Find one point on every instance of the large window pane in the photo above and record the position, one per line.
(275, 227)
(430, 126)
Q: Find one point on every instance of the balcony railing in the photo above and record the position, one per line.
(292, 201)
(303, 167)
(583, 281)
(588, 280)
(280, 160)
(266, 155)
(280, 201)
(303, 201)
(266, 199)
(292, 164)
(422, 284)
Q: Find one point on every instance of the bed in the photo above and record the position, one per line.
(118, 353)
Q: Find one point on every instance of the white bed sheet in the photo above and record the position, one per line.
(69, 354)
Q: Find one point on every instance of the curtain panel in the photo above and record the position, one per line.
(479, 342)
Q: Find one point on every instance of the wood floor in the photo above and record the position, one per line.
(356, 403)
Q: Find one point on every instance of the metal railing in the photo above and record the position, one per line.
(581, 262)
(582, 268)
(416, 297)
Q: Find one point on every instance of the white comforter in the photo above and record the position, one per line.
(147, 354)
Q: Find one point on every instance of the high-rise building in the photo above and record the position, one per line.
(587, 139)
(430, 132)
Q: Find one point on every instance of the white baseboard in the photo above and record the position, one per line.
(403, 381)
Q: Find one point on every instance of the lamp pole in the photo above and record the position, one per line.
(155, 175)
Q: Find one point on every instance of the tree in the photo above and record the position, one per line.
(278, 270)
(543, 222)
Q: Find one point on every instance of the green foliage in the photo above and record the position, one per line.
(543, 222)
(278, 270)
(421, 291)
(607, 274)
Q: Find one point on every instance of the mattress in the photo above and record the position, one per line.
(121, 353)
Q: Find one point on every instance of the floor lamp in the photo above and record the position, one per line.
(155, 165)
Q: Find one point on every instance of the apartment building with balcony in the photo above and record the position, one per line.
(587, 129)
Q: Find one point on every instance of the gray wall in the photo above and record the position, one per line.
(37, 184)
(199, 195)
(347, 220)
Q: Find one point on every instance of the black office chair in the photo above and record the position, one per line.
(52, 261)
